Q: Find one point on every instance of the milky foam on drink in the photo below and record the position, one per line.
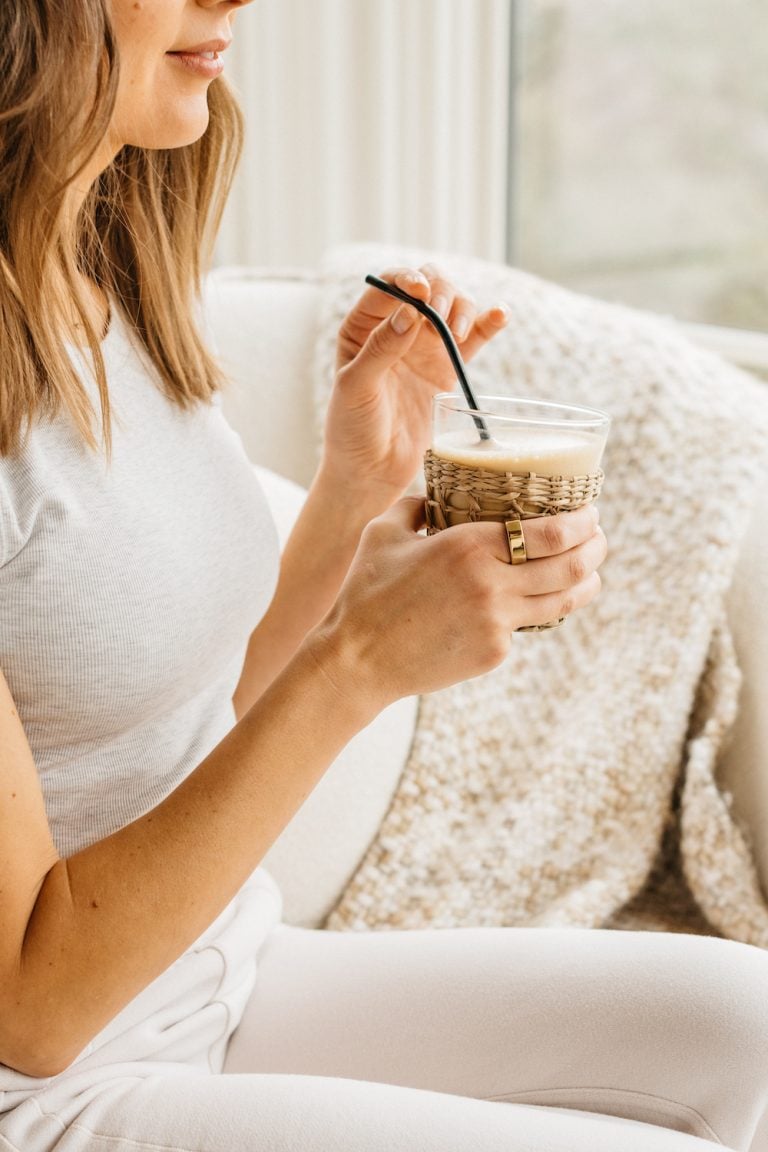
(548, 452)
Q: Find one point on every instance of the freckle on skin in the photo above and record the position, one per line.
(94, 903)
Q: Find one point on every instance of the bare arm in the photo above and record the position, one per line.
(313, 565)
(81, 937)
(376, 430)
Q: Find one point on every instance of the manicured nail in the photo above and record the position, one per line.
(403, 319)
(461, 327)
(504, 311)
(440, 304)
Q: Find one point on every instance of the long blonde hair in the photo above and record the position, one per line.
(144, 233)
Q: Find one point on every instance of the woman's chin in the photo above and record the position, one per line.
(174, 132)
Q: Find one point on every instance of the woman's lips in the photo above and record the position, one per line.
(207, 64)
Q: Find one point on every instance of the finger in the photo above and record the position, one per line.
(487, 325)
(374, 302)
(543, 609)
(442, 291)
(560, 573)
(411, 280)
(543, 535)
(462, 317)
(553, 535)
(384, 346)
(406, 515)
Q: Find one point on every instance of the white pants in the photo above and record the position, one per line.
(464, 1040)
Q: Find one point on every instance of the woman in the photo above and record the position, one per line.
(168, 702)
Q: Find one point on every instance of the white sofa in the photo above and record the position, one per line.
(263, 323)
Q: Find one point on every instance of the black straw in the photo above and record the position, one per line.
(448, 340)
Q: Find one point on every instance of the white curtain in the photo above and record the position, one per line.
(381, 120)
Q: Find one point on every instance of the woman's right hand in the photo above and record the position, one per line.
(417, 613)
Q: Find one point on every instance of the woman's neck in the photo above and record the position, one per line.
(95, 302)
(95, 299)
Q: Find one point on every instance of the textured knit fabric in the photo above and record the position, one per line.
(576, 785)
(127, 597)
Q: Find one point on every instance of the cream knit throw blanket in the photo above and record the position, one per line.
(576, 784)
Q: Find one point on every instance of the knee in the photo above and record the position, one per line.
(695, 997)
(723, 997)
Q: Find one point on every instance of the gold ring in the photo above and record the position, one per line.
(516, 542)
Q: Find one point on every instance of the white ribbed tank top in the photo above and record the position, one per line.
(127, 596)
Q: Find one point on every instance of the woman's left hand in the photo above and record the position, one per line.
(379, 417)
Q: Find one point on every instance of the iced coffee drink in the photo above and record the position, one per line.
(541, 450)
(512, 459)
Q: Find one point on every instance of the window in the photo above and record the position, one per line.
(640, 153)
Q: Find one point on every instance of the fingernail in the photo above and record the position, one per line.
(440, 304)
(504, 311)
(403, 319)
(461, 327)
